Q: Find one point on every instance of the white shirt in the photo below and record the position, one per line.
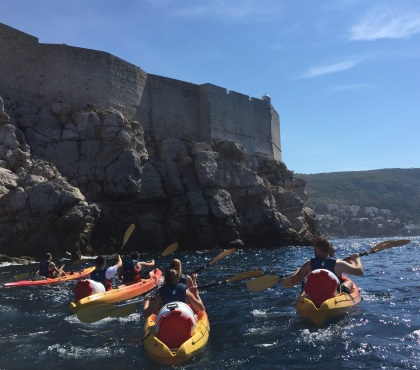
(110, 272)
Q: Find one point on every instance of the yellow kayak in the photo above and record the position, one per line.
(174, 336)
(330, 308)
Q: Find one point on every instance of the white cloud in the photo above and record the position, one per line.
(386, 24)
(330, 68)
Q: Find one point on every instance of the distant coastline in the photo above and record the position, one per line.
(375, 203)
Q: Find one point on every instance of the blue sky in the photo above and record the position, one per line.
(344, 76)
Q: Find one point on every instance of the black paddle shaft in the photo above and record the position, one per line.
(360, 255)
(201, 268)
(216, 283)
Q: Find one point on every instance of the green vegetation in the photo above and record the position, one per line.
(396, 190)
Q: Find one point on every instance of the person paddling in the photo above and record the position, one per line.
(133, 269)
(48, 269)
(183, 279)
(103, 274)
(173, 291)
(323, 261)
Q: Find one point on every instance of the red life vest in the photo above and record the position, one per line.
(321, 285)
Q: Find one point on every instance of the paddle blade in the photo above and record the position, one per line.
(222, 255)
(80, 262)
(389, 244)
(21, 276)
(244, 275)
(128, 233)
(171, 249)
(125, 311)
(96, 313)
(262, 283)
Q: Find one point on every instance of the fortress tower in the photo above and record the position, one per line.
(45, 73)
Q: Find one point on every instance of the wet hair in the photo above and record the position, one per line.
(135, 255)
(171, 276)
(100, 260)
(322, 244)
(48, 256)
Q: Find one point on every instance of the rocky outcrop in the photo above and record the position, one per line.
(73, 180)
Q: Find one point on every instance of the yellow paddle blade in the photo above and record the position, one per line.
(222, 255)
(21, 276)
(96, 313)
(389, 244)
(124, 311)
(128, 233)
(81, 261)
(171, 249)
(244, 275)
(261, 283)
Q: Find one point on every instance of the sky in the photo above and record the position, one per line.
(343, 75)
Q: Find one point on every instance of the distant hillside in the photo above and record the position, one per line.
(366, 203)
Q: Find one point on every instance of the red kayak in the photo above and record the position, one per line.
(71, 275)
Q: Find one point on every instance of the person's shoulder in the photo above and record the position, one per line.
(306, 264)
(341, 262)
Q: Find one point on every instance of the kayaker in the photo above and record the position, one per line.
(133, 269)
(173, 291)
(103, 274)
(323, 261)
(48, 269)
(183, 279)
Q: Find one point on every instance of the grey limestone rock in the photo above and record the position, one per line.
(74, 179)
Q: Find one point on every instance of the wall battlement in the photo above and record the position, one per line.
(45, 73)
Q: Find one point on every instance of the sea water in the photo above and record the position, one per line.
(248, 330)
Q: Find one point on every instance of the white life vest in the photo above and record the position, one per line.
(87, 287)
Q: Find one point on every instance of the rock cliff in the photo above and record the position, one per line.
(73, 180)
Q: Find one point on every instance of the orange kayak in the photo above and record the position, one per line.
(121, 293)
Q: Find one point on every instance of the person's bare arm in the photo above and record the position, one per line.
(117, 258)
(194, 299)
(189, 281)
(300, 274)
(142, 265)
(354, 267)
(58, 271)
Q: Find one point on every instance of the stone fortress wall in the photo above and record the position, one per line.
(44, 73)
